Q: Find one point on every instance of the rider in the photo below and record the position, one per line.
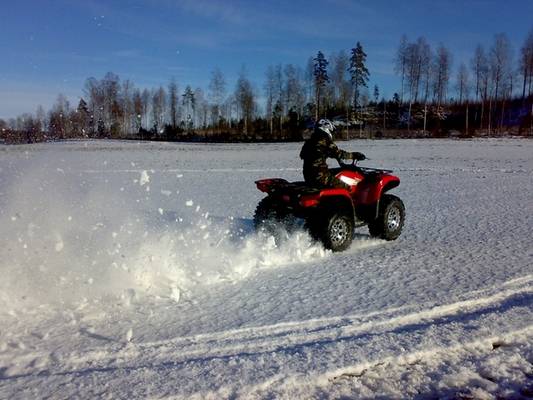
(317, 149)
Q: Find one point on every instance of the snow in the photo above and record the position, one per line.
(131, 270)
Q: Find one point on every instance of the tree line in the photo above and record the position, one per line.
(490, 95)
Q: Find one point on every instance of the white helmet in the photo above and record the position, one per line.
(327, 126)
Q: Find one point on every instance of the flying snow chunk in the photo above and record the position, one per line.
(59, 245)
(145, 178)
(129, 335)
(175, 294)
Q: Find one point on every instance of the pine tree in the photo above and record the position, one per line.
(320, 73)
(189, 102)
(358, 72)
(82, 120)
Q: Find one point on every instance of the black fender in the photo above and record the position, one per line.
(337, 202)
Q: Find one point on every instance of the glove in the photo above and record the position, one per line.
(358, 156)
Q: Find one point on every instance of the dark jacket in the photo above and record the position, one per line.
(315, 151)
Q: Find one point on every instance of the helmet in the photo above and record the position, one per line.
(327, 126)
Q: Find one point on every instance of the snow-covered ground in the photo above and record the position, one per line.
(131, 270)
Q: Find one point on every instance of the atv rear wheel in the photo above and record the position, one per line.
(391, 217)
(334, 229)
(270, 219)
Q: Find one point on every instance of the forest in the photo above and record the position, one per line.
(492, 95)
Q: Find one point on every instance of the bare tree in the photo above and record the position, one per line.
(217, 93)
(59, 125)
(146, 100)
(294, 91)
(173, 103)
(401, 62)
(341, 82)
(310, 80)
(480, 68)
(138, 109)
(425, 70)
(279, 107)
(230, 109)
(441, 74)
(425, 66)
(276, 97)
(40, 118)
(526, 65)
(462, 84)
(500, 71)
(479, 64)
(413, 71)
(202, 108)
(127, 107)
(244, 96)
(418, 69)
(111, 105)
(270, 90)
(94, 92)
(158, 109)
(500, 62)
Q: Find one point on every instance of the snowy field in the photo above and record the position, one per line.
(131, 270)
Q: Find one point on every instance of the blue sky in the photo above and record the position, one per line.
(52, 46)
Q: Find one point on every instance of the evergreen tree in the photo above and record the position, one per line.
(358, 72)
(189, 102)
(320, 73)
(82, 119)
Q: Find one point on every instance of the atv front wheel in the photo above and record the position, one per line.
(334, 229)
(391, 217)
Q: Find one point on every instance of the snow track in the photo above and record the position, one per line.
(395, 338)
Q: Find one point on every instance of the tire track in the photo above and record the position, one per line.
(286, 338)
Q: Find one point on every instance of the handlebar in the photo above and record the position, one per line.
(352, 164)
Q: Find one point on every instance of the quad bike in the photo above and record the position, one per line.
(332, 214)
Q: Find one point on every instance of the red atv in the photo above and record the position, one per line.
(331, 214)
